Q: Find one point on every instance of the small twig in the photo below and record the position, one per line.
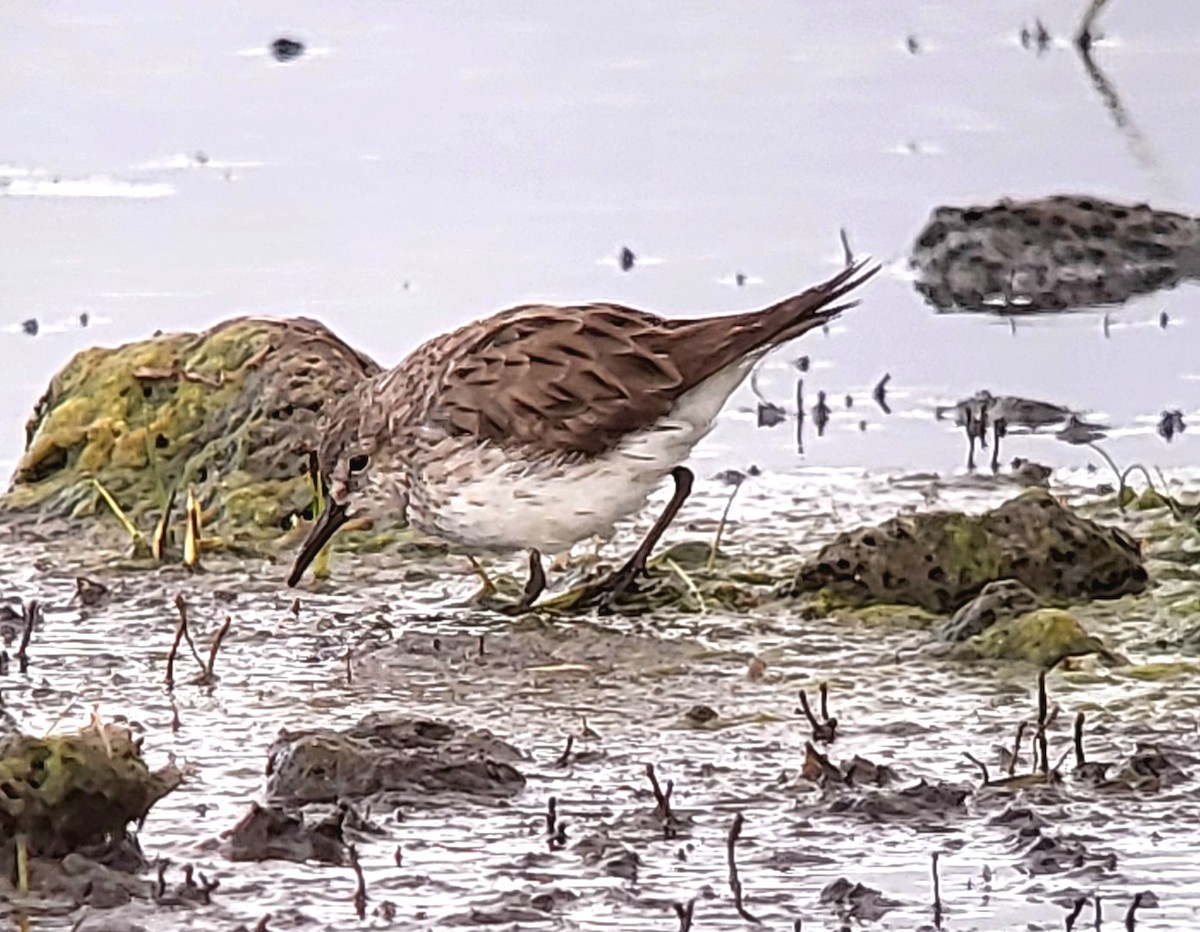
(821, 731)
(261, 925)
(565, 757)
(1096, 903)
(980, 764)
(937, 893)
(360, 892)
(349, 673)
(716, 544)
(1076, 909)
(180, 628)
(216, 646)
(551, 815)
(823, 687)
(1016, 752)
(1139, 900)
(181, 606)
(662, 799)
(735, 831)
(1041, 732)
(1080, 760)
(685, 915)
(32, 612)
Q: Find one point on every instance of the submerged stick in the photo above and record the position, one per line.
(662, 799)
(1076, 909)
(735, 884)
(216, 646)
(1016, 752)
(1041, 732)
(980, 764)
(716, 544)
(181, 606)
(684, 914)
(180, 627)
(32, 611)
(824, 731)
(360, 891)
(937, 893)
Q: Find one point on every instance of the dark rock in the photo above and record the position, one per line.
(284, 49)
(921, 802)
(392, 753)
(940, 560)
(1170, 424)
(1051, 254)
(1004, 598)
(856, 901)
(68, 792)
(30, 326)
(270, 833)
(1031, 474)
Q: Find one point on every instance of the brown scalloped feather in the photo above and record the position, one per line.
(578, 379)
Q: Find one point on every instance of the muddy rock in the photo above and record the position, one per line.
(1051, 254)
(1005, 598)
(940, 560)
(72, 791)
(270, 833)
(230, 412)
(412, 757)
(1042, 637)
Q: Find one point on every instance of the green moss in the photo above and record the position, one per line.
(65, 792)
(231, 412)
(966, 551)
(1042, 637)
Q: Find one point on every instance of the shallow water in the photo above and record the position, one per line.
(631, 681)
(422, 166)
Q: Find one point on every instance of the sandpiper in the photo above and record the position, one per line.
(543, 426)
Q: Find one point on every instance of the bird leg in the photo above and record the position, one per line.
(536, 583)
(610, 589)
(999, 429)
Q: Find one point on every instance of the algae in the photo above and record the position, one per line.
(1043, 637)
(231, 412)
(71, 791)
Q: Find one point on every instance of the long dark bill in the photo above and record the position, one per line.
(332, 517)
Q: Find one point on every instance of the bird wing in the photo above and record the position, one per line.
(561, 379)
(579, 379)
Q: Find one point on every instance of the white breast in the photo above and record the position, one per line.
(480, 498)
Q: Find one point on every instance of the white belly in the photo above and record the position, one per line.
(509, 504)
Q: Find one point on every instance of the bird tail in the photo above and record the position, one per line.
(719, 342)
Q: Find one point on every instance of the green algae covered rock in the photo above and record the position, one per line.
(231, 412)
(1042, 637)
(940, 560)
(71, 791)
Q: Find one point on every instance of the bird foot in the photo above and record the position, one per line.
(606, 592)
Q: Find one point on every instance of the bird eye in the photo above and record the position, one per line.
(358, 463)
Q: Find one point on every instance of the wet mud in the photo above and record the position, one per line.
(548, 816)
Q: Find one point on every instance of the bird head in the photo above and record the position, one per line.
(347, 468)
